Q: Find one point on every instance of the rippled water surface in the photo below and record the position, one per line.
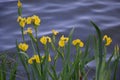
(61, 15)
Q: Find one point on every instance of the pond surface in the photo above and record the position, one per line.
(61, 15)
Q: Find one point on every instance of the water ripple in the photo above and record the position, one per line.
(57, 14)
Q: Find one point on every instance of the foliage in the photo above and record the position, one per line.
(6, 74)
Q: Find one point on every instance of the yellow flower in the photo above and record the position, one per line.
(105, 36)
(19, 4)
(22, 22)
(23, 46)
(63, 40)
(49, 58)
(75, 42)
(29, 30)
(55, 32)
(48, 39)
(78, 42)
(45, 39)
(30, 61)
(35, 58)
(107, 40)
(29, 20)
(43, 56)
(36, 20)
(19, 18)
(81, 44)
(61, 43)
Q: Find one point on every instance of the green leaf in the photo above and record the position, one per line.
(13, 72)
(116, 62)
(99, 47)
(24, 54)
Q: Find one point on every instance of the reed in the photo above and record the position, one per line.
(5, 64)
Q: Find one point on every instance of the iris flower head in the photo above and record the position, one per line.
(35, 59)
(63, 40)
(107, 40)
(45, 39)
(19, 4)
(78, 42)
(23, 46)
(55, 32)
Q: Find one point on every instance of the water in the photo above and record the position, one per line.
(61, 15)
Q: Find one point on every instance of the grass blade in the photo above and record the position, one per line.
(99, 47)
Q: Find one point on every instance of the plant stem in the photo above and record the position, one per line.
(37, 41)
(22, 34)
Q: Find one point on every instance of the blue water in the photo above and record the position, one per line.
(61, 15)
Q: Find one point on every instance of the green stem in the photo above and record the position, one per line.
(22, 34)
(37, 41)
(20, 11)
(33, 46)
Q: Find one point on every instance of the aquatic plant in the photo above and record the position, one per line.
(43, 67)
(6, 64)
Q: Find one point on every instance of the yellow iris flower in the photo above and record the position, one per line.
(30, 61)
(55, 32)
(23, 46)
(36, 20)
(35, 58)
(29, 30)
(78, 42)
(19, 18)
(22, 24)
(49, 58)
(45, 39)
(48, 39)
(22, 21)
(61, 43)
(19, 4)
(107, 39)
(63, 40)
(29, 20)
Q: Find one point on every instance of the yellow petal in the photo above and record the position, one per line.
(61, 43)
(49, 58)
(30, 61)
(55, 32)
(81, 44)
(29, 20)
(43, 40)
(19, 4)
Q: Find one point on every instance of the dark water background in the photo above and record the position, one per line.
(61, 15)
